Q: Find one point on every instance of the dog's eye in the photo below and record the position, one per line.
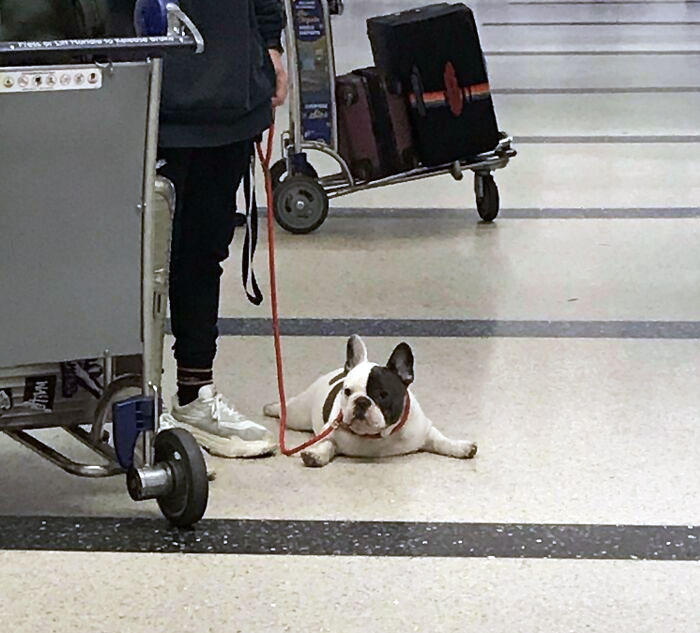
(383, 395)
(348, 392)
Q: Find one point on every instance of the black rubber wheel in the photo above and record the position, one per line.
(301, 204)
(278, 172)
(185, 504)
(487, 199)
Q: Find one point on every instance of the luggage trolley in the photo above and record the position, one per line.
(85, 231)
(301, 196)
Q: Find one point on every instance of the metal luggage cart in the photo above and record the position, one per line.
(301, 196)
(84, 249)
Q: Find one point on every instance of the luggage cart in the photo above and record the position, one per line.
(301, 196)
(85, 231)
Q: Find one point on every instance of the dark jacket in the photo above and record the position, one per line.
(223, 95)
(52, 19)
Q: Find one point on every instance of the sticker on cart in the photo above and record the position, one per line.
(314, 71)
(309, 20)
(39, 393)
(316, 118)
(6, 402)
(51, 79)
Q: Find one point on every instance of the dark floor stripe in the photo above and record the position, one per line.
(458, 328)
(599, 23)
(422, 213)
(570, 53)
(598, 91)
(602, 214)
(607, 139)
(346, 538)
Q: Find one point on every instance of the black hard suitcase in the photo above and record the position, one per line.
(436, 54)
(373, 125)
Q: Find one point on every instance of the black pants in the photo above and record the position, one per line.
(206, 180)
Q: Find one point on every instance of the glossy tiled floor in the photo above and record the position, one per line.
(194, 594)
(599, 235)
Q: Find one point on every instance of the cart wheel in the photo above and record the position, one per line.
(301, 204)
(278, 172)
(487, 199)
(185, 504)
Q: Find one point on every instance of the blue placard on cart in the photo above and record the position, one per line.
(314, 70)
(309, 20)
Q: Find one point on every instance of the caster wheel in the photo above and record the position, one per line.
(487, 199)
(301, 204)
(278, 172)
(187, 500)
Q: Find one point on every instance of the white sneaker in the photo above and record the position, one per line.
(219, 428)
(167, 421)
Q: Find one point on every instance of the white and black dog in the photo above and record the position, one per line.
(374, 410)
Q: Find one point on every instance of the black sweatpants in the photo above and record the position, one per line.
(206, 180)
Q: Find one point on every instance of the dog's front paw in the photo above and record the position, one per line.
(468, 450)
(313, 460)
(273, 410)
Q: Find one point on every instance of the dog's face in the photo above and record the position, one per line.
(373, 396)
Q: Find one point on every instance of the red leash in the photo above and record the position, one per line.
(331, 426)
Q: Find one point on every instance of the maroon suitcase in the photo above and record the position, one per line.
(374, 127)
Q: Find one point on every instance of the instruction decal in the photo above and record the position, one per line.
(39, 393)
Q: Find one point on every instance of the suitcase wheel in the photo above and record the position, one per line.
(362, 169)
(347, 95)
(487, 198)
(301, 204)
(410, 159)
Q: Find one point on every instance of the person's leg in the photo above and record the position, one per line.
(203, 229)
(204, 225)
(178, 163)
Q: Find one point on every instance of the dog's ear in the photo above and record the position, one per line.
(401, 363)
(356, 352)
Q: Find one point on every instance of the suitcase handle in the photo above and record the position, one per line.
(335, 7)
(418, 91)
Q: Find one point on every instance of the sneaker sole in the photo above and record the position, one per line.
(231, 447)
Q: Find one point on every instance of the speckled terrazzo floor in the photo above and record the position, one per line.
(564, 340)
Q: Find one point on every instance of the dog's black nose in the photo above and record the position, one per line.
(361, 406)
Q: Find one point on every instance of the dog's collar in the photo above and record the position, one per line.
(340, 423)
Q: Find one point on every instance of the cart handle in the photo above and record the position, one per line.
(179, 23)
(146, 45)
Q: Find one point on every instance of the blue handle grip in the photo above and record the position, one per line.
(151, 17)
(131, 418)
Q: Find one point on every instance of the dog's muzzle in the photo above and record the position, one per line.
(339, 422)
(361, 406)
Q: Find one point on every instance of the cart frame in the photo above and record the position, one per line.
(169, 466)
(343, 183)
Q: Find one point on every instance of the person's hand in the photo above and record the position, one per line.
(282, 87)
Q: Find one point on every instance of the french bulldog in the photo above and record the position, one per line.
(374, 412)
